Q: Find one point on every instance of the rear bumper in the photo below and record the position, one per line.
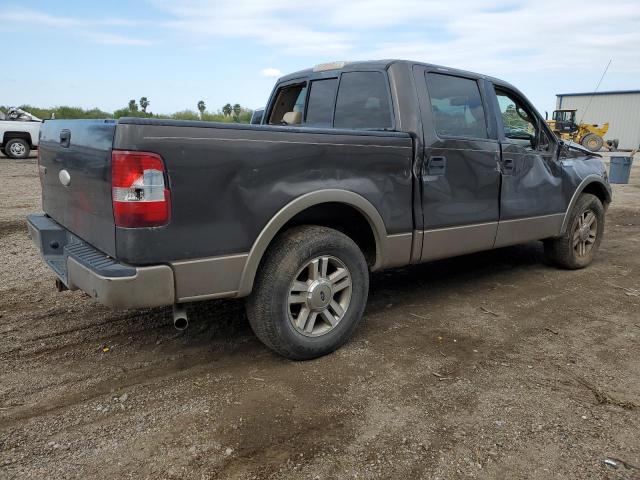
(80, 266)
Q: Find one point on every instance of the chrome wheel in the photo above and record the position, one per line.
(585, 233)
(17, 149)
(319, 296)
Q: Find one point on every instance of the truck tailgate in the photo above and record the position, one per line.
(75, 171)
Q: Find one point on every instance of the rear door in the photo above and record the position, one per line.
(532, 203)
(460, 173)
(75, 172)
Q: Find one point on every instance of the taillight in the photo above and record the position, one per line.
(140, 198)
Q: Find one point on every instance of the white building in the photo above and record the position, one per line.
(620, 108)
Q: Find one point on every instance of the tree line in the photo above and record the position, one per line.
(228, 113)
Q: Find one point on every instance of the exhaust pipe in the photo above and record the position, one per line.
(180, 319)
(61, 287)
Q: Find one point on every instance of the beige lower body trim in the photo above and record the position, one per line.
(149, 287)
(220, 277)
(205, 278)
(396, 250)
(452, 241)
(512, 232)
(416, 247)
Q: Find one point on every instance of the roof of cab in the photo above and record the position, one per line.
(348, 66)
(383, 65)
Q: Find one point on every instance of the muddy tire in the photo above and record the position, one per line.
(310, 292)
(17, 148)
(579, 244)
(592, 142)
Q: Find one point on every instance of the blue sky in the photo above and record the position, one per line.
(84, 53)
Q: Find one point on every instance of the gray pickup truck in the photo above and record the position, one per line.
(355, 167)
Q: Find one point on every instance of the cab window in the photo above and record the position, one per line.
(456, 106)
(289, 105)
(322, 97)
(363, 102)
(519, 123)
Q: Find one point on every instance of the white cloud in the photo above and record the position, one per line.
(90, 28)
(113, 39)
(270, 72)
(493, 36)
(543, 46)
(282, 24)
(33, 17)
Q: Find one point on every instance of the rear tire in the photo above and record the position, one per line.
(17, 148)
(310, 292)
(578, 245)
(592, 142)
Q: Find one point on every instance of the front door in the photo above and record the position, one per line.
(531, 198)
(460, 178)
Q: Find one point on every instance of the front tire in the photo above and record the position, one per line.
(309, 293)
(577, 247)
(16, 148)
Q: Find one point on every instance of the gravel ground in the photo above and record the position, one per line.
(492, 365)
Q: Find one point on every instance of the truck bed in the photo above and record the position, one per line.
(226, 180)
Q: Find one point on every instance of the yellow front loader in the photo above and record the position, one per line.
(564, 125)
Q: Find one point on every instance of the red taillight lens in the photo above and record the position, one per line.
(140, 198)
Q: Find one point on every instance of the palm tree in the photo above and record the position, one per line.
(144, 103)
(201, 107)
(133, 106)
(227, 109)
(237, 110)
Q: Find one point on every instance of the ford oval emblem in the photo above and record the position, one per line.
(64, 177)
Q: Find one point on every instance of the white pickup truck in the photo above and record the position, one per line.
(19, 133)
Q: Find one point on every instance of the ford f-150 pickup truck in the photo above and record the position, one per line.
(355, 167)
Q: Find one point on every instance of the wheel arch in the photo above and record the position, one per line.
(284, 217)
(593, 184)
(9, 135)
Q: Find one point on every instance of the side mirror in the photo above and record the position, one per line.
(256, 116)
(562, 148)
(546, 115)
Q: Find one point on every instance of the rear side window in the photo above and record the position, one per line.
(289, 99)
(321, 100)
(456, 105)
(363, 101)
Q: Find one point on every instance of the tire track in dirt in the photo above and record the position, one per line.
(187, 364)
(64, 346)
(11, 226)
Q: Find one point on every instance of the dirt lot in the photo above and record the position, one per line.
(492, 365)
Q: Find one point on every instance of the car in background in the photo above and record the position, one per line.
(19, 133)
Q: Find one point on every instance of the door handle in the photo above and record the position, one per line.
(65, 137)
(508, 165)
(437, 166)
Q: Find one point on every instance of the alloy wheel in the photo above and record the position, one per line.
(585, 233)
(319, 296)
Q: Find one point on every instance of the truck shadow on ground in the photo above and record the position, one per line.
(225, 321)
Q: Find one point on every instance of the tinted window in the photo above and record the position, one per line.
(457, 106)
(321, 100)
(363, 101)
